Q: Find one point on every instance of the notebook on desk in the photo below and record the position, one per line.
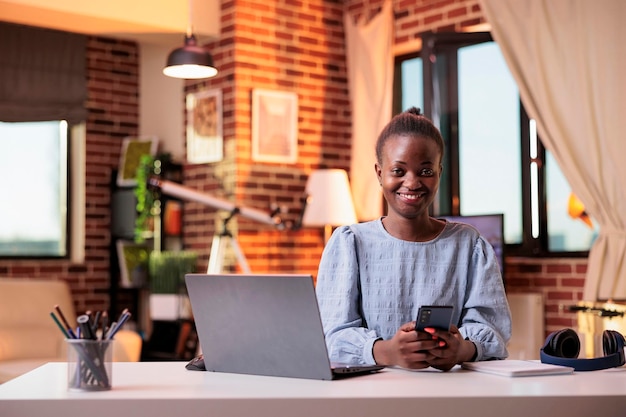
(513, 367)
(263, 325)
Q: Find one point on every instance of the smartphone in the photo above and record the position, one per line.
(439, 317)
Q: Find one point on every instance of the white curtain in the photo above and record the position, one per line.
(569, 60)
(370, 80)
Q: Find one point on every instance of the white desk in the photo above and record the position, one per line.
(167, 389)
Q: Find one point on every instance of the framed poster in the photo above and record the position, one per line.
(132, 151)
(274, 126)
(133, 261)
(204, 127)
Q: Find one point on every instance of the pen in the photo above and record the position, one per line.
(65, 323)
(85, 327)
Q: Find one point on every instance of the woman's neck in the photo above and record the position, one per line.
(413, 230)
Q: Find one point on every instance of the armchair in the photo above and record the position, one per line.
(29, 337)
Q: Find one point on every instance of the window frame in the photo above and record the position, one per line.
(449, 200)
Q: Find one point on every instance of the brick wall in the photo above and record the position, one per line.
(278, 45)
(559, 280)
(113, 88)
(281, 46)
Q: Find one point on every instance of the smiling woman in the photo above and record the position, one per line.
(33, 162)
(374, 276)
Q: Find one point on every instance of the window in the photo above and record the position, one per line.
(34, 169)
(494, 161)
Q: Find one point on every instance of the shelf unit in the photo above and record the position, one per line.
(169, 237)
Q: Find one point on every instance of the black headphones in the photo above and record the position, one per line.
(562, 348)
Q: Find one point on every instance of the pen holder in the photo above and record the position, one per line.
(89, 364)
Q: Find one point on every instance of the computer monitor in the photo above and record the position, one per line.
(491, 226)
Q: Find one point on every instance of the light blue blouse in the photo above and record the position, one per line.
(369, 283)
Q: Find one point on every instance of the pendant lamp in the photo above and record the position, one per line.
(191, 61)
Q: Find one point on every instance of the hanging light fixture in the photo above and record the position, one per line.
(191, 61)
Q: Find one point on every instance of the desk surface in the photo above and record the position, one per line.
(168, 389)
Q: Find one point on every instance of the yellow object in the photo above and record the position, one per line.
(576, 210)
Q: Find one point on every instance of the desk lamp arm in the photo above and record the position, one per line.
(173, 189)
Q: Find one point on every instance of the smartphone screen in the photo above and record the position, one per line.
(439, 317)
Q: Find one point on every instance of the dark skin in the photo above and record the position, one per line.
(409, 174)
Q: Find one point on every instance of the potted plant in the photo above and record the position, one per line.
(167, 270)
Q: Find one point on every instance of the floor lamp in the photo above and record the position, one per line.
(329, 201)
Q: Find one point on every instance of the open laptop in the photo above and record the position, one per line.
(263, 325)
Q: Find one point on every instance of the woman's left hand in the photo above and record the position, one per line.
(452, 349)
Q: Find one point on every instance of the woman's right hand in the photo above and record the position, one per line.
(408, 348)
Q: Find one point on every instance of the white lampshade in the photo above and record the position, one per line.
(329, 200)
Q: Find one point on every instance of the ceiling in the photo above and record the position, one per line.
(161, 22)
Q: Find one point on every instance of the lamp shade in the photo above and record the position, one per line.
(329, 201)
(190, 62)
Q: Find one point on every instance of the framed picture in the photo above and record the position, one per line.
(204, 127)
(132, 150)
(274, 126)
(133, 261)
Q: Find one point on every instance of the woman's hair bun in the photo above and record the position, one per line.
(415, 110)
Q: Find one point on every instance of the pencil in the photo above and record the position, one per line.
(64, 320)
(96, 322)
(105, 323)
(56, 320)
(111, 328)
(123, 318)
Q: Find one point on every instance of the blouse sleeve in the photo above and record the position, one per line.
(486, 318)
(338, 296)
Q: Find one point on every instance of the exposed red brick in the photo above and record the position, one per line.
(559, 295)
(573, 282)
(559, 268)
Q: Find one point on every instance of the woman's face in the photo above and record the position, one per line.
(409, 174)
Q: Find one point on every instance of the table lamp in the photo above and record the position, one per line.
(329, 200)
